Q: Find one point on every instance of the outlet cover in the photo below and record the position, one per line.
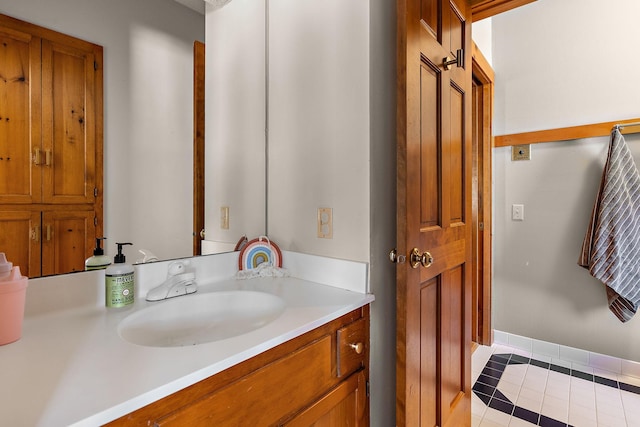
(325, 223)
(521, 152)
(224, 217)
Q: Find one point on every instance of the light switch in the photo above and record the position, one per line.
(517, 212)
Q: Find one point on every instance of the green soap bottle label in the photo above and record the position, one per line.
(119, 290)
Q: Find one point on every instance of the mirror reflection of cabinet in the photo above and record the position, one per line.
(50, 148)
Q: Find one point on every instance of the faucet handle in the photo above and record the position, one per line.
(176, 267)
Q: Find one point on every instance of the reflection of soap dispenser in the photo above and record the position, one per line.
(99, 260)
(119, 281)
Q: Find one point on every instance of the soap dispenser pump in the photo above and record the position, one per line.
(99, 260)
(119, 281)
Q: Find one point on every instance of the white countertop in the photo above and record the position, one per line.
(72, 368)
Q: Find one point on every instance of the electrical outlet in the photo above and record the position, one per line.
(325, 223)
(517, 212)
(521, 152)
(224, 217)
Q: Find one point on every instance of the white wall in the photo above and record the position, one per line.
(235, 110)
(482, 35)
(148, 98)
(557, 64)
(319, 125)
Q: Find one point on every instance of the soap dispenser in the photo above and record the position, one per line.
(119, 281)
(99, 260)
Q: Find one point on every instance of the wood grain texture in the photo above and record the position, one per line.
(434, 214)
(20, 116)
(198, 144)
(482, 9)
(563, 134)
(20, 239)
(483, 77)
(51, 143)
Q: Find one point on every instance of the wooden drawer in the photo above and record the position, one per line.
(265, 396)
(352, 347)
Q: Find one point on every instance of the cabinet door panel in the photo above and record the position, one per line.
(67, 240)
(20, 118)
(344, 406)
(20, 240)
(68, 81)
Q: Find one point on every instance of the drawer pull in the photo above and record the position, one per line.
(358, 347)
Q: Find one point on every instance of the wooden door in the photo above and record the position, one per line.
(68, 237)
(20, 239)
(20, 118)
(434, 214)
(69, 123)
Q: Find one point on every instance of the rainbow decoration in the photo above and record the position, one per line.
(257, 251)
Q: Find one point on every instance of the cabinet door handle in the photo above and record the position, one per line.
(35, 233)
(49, 232)
(37, 157)
(48, 157)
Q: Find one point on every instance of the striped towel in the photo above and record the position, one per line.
(611, 247)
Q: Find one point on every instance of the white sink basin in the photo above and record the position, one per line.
(200, 318)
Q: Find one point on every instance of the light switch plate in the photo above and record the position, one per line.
(517, 212)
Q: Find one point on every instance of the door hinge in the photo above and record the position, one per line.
(95, 221)
(368, 387)
(95, 65)
(95, 192)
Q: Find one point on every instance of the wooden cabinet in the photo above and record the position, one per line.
(57, 240)
(297, 383)
(50, 147)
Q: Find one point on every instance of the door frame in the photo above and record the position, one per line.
(483, 76)
(198, 144)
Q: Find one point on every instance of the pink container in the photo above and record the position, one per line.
(13, 290)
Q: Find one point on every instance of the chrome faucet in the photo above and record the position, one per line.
(179, 282)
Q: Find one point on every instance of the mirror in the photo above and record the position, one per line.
(148, 121)
(288, 94)
(318, 101)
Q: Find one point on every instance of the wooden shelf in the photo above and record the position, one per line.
(560, 134)
(481, 9)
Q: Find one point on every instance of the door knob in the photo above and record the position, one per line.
(458, 60)
(202, 234)
(425, 259)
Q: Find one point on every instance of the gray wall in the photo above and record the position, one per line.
(557, 64)
(382, 172)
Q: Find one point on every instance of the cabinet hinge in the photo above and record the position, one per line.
(95, 65)
(95, 192)
(368, 388)
(95, 221)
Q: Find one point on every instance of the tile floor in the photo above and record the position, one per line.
(512, 388)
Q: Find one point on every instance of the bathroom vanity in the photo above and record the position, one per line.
(319, 377)
(72, 365)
